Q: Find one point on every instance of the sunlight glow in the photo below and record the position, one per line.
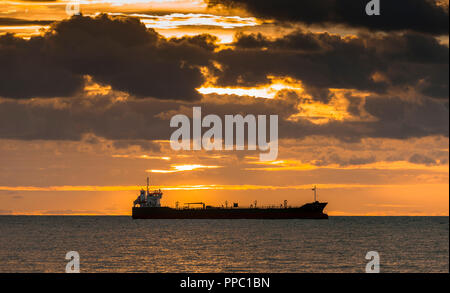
(146, 157)
(176, 20)
(181, 168)
(207, 187)
(293, 165)
(267, 91)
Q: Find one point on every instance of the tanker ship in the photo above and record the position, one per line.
(148, 206)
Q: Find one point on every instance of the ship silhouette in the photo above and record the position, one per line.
(148, 206)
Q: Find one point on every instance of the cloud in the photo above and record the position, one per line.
(128, 122)
(120, 52)
(137, 121)
(144, 145)
(417, 15)
(117, 51)
(352, 161)
(18, 21)
(26, 71)
(368, 62)
(399, 118)
(421, 159)
(404, 77)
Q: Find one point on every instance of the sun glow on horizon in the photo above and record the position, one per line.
(205, 187)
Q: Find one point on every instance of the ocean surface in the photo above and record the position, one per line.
(120, 244)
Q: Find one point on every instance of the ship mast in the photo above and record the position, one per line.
(148, 181)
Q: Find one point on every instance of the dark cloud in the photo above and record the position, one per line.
(322, 61)
(299, 41)
(418, 15)
(414, 60)
(393, 118)
(344, 161)
(19, 21)
(421, 159)
(355, 105)
(400, 118)
(130, 122)
(122, 53)
(347, 67)
(117, 51)
(28, 71)
(144, 145)
(136, 121)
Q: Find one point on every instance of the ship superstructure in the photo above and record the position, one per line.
(149, 199)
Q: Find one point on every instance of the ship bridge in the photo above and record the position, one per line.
(147, 198)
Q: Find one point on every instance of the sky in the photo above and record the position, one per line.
(86, 103)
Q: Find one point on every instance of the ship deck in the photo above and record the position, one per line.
(308, 211)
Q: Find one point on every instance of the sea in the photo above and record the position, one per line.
(120, 244)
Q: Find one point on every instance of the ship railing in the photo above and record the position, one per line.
(272, 206)
(236, 208)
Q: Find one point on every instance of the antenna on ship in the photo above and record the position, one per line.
(315, 193)
(148, 181)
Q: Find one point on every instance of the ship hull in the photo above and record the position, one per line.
(308, 211)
